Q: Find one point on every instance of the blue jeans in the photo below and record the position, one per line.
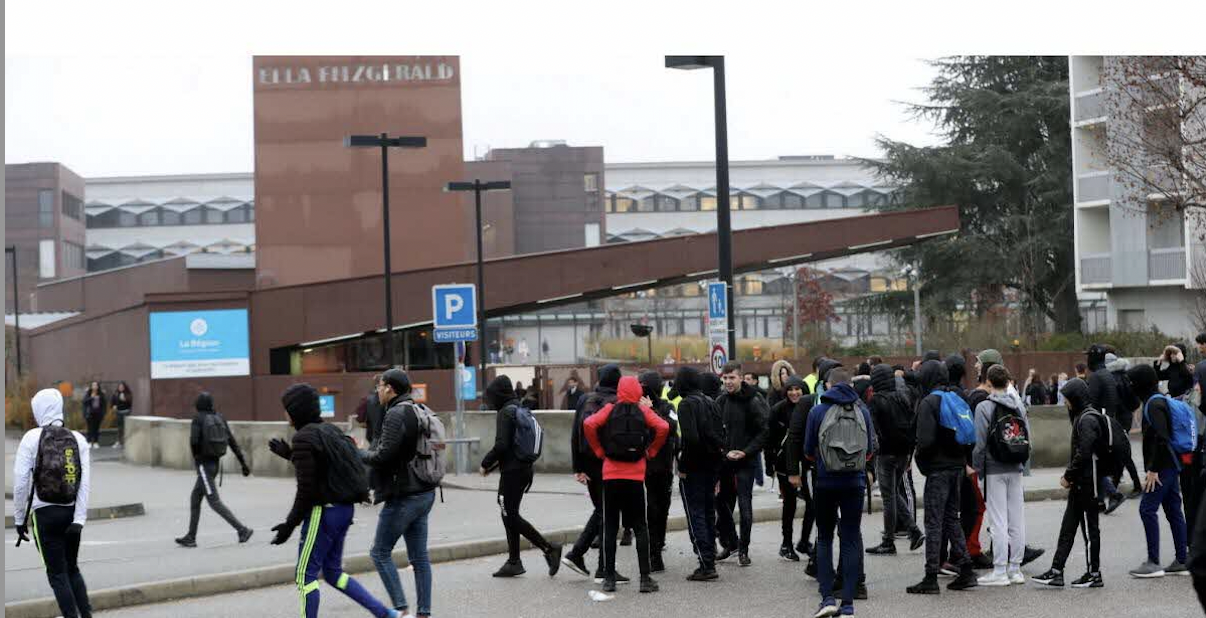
(405, 517)
(1168, 495)
(828, 503)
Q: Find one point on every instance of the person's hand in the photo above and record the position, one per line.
(283, 532)
(582, 478)
(246, 470)
(735, 455)
(483, 471)
(795, 480)
(1151, 482)
(646, 402)
(1063, 482)
(75, 529)
(22, 534)
(280, 448)
(970, 471)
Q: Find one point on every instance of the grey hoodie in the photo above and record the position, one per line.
(981, 456)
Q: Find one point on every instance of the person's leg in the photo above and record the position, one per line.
(745, 501)
(827, 514)
(215, 502)
(725, 500)
(49, 527)
(590, 532)
(1174, 514)
(194, 513)
(810, 513)
(695, 489)
(885, 470)
(633, 508)
(998, 520)
(121, 426)
(506, 488)
(525, 528)
(951, 524)
(971, 512)
(1189, 492)
(79, 590)
(657, 490)
(709, 508)
(333, 530)
(1092, 517)
(1016, 499)
(787, 520)
(937, 491)
(391, 522)
(309, 562)
(613, 501)
(416, 550)
(1149, 507)
(850, 504)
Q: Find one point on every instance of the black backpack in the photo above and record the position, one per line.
(1115, 448)
(1008, 436)
(529, 436)
(214, 436)
(58, 469)
(902, 433)
(592, 403)
(347, 479)
(626, 436)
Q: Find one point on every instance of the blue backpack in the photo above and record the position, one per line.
(1183, 424)
(956, 416)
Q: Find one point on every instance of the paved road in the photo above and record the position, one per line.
(769, 588)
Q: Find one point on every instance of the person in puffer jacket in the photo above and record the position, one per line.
(781, 370)
(776, 464)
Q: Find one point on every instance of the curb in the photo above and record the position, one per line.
(104, 512)
(453, 484)
(261, 577)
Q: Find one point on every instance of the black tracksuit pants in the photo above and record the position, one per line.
(790, 495)
(511, 488)
(206, 488)
(594, 524)
(657, 491)
(624, 499)
(60, 553)
(1081, 513)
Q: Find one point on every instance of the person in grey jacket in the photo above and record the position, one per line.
(1003, 495)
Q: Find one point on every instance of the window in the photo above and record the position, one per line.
(73, 256)
(46, 208)
(689, 203)
(792, 201)
(752, 286)
(750, 202)
(1132, 320)
(72, 206)
(691, 289)
(237, 215)
(126, 219)
(150, 217)
(213, 215)
(169, 217)
(46, 264)
(590, 182)
(666, 203)
(816, 200)
(625, 204)
(193, 217)
(707, 202)
(834, 200)
(858, 200)
(648, 204)
(773, 202)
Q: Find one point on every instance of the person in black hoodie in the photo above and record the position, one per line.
(744, 411)
(408, 500)
(971, 496)
(323, 509)
(208, 464)
(1103, 396)
(942, 460)
(699, 457)
(795, 391)
(1128, 403)
(1162, 486)
(1082, 479)
(588, 469)
(711, 385)
(892, 416)
(514, 480)
(659, 471)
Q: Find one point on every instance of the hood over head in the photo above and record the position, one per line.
(301, 404)
(1095, 356)
(826, 365)
(686, 381)
(864, 369)
(711, 384)
(776, 383)
(883, 378)
(629, 390)
(797, 382)
(931, 355)
(609, 376)
(651, 384)
(499, 393)
(47, 406)
(842, 394)
(956, 368)
(1076, 391)
(1144, 381)
(931, 375)
(204, 402)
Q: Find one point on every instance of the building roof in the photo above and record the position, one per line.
(30, 321)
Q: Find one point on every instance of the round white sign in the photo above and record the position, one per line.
(199, 327)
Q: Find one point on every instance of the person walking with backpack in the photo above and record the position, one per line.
(515, 478)
(330, 482)
(209, 439)
(1169, 438)
(405, 466)
(699, 460)
(892, 414)
(588, 470)
(620, 436)
(1002, 449)
(776, 463)
(944, 429)
(744, 411)
(840, 439)
(659, 471)
(52, 478)
(123, 401)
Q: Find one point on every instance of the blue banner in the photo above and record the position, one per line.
(194, 344)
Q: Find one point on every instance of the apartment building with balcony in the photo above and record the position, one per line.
(1137, 262)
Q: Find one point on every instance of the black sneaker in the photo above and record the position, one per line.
(186, 541)
(929, 585)
(1052, 577)
(655, 562)
(609, 585)
(245, 534)
(916, 539)
(981, 562)
(967, 579)
(619, 579)
(723, 554)
(703, 575)
(810, 569)
(626, 540)
(648, 584)
(576, 564)
(883, 549)
(860, 591)
(788, 554)
(1089, 580)
(1031, 554)
(804, 547)
(553, 558)
(743, 559)
(510, 569)
(1114, 502)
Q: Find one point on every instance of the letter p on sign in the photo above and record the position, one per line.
(454, 306)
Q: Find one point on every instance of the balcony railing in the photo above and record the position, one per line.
(1095, 268)
(1090, 104)
(1166, 264)
(1094, 186)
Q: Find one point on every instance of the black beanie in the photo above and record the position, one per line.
(1144, 380)
(609, 376)
(204, 402)
(301, 404)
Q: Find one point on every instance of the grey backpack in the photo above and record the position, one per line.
(428, 462)
(842, 439)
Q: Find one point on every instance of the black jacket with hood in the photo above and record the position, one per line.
(392, 451)
(778, 423)
(1103, 391)
(703, 436)
(1156, 421)
(307, 454)
(937, 448)
(711, 385)
(582, 455)
(745, 415)
(500, 396)
(1088, 432)
(663, 464)
(1127, 400)
(204, 406)
(887, 405)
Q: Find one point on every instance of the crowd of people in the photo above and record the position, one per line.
(826, 437)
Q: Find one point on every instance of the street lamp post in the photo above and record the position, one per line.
(385, 142)
(915, 283)
(477, 187)
(16, 310)
(724, 232)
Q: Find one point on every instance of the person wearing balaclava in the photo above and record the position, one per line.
(1162, 486)
(209, 438)
(588, 470)
(699, 460)
(659, 473)
(514, 480)
(323, 506)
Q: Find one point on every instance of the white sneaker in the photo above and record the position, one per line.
(117, 445)
(95, 445)
(1017, 577)
(997, 578)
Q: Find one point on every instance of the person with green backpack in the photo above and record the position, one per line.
(209, 439)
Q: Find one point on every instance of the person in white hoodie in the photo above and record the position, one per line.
(55, 482)
(1002, 448)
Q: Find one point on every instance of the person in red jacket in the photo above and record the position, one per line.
(619, 435)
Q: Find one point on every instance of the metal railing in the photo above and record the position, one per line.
(1095, 268)
(1166, 264)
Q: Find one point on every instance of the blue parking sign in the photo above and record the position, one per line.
(718, 302)
(454, 306)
